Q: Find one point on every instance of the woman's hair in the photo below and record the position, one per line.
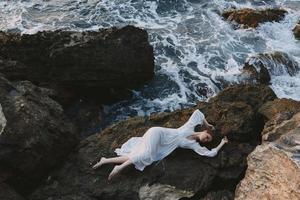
(198, 128)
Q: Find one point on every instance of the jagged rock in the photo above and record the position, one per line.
(252, 18)
(273, 172)
(101, 64)
(182, 170)
(296, 31)
(36, 136)
(279, 106)
(262, 66)
(270, 175)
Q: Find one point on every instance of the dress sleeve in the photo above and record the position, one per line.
(196, 118)
(203, 151)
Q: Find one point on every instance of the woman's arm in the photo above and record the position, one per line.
(196, 118)
(203, 151)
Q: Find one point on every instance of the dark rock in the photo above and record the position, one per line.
(253, 95)
(103, 64)
(262, 66)
(7, 193)
(183, 169)
(296, 31)
(252, 18)
(35, 135)
(87, 115)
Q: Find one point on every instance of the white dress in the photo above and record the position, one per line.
(158, 142)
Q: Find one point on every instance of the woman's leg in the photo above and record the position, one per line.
(104, 160)
(118, 168)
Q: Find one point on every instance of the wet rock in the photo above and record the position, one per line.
(262, 66)
(103, 64)
(35, 137)
(296, 31)
(182, 170)
(250, 18)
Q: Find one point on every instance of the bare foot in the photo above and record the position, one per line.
(98, 164)
(114, 172)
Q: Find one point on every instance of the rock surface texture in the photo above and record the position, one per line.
(109, 60)
(35, 134)
(250, 18)
(183, 171)
(274, 167)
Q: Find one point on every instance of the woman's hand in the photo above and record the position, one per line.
(225, 140)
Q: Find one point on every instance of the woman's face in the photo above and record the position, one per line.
(205, 137)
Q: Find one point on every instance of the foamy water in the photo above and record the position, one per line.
(196, 51)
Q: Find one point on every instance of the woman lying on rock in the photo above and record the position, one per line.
(158, 142)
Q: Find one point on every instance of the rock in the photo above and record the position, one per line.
(36, 135)
(103, 64)
(7, 193)
(296, 31)
(253, 95)
(162, 192)
(88, 116)
(234, 111)
(279, 106)
(274, 167)
(284, 133)
(182, 170)
(262, 66)
(270, 175)
(250, 18)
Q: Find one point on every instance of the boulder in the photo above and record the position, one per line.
(270, 175)
(250, 18)
(262, 66)
(296, 31)
(273, 167)
(279, 106)
(103, 64)
(182, 173)
(35, 134)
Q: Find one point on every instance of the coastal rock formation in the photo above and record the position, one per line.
(296, 31)
(103, 63)
(280, 106)
(262, 66)
(35, 134)
(183, 170)
(273, 172)
(270, 175)
(250, 18)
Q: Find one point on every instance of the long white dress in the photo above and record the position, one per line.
(158, 142)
